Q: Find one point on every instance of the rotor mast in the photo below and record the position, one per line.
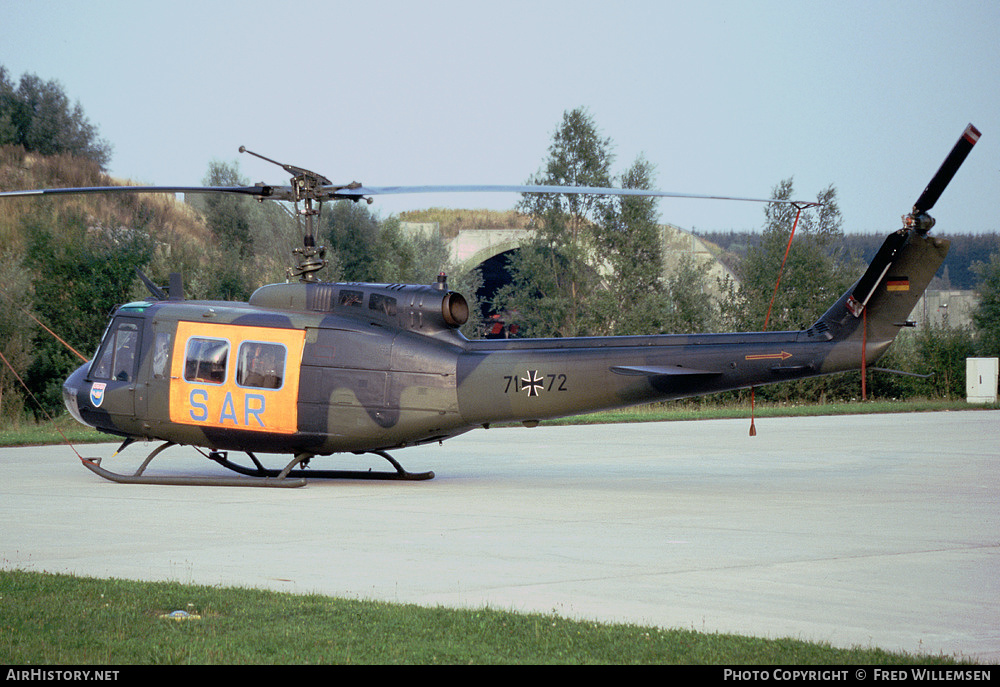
(307, 189)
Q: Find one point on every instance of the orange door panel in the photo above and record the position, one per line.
(236, 377)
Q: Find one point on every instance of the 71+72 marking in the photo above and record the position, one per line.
(534, 383)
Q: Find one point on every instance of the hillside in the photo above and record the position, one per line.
(451, 221)
(163, 217)
(68, 260)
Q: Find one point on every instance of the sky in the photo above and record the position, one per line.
(723, 98)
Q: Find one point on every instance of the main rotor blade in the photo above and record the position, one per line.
(357, 192)
(948, 168)
(275, 192)
(363, 191)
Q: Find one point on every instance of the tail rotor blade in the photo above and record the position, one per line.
(948, 168)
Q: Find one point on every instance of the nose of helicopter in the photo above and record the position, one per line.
(71, 389)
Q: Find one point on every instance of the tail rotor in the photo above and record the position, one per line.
(917, 220)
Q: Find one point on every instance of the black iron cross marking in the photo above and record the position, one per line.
(533, 383)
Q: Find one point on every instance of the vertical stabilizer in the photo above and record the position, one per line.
(890, 289)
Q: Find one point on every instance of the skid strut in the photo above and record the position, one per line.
(94, 465)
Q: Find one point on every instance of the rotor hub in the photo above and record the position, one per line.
(919, 221)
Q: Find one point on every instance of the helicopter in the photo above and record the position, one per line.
(310, 368)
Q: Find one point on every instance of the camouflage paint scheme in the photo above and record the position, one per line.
(374, 367)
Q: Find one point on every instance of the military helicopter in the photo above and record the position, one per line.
(309, 368)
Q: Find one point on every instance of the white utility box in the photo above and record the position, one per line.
(981, 379)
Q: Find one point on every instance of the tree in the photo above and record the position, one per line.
(366, 248)
(689, 305)
(80, 274)
(408, 259)
(37, 114)
(987, 314)
(227, 214)
(352, 235)
(630, 258)
(811, 277)
(593, 266)
(942, 351)
(640, 295)
(578, 156)
(233, 271)
(8, 110)
(555, 274)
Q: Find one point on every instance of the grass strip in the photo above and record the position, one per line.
(61, 619)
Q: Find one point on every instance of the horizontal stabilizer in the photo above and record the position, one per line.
(657, 371)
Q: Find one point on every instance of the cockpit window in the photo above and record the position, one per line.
(205, 360)
(118, 357)
(261, 365)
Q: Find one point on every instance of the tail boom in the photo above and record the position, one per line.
(532, 379)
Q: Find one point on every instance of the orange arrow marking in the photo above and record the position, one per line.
(770, 356)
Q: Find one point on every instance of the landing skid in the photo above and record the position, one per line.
(258, 476)
(260, 471)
